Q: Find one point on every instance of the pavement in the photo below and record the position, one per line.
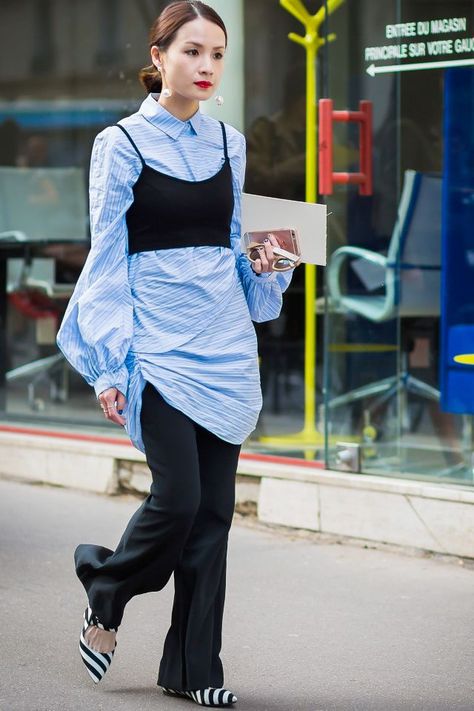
(309, 625)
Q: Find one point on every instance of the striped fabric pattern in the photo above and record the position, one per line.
(211, 697)
(180, 318)
(97, 663)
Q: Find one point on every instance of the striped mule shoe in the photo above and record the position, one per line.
(216, 698)
(96, 663)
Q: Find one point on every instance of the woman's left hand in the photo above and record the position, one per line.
(265, 262)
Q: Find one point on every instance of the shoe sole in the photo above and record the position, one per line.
(188, 697)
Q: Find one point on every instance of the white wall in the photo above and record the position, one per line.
(232, 86)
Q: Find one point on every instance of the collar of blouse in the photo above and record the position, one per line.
(156, 114)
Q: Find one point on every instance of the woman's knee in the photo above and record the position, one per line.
(178, 504)
(184, 510)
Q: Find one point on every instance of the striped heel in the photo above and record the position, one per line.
(215, 698)
(97, 663)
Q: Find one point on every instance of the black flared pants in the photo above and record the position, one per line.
(181, 527)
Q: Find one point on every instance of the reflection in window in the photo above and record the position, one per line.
(109, 53)
(44, 54)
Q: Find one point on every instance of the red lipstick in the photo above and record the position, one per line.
(203, 84)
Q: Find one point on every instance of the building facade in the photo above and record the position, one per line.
(394, 308)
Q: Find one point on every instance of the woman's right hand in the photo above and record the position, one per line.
(112, 402)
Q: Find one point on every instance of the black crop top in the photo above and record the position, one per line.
(169, 212)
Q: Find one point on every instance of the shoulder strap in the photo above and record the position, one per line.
(224, 136)
(132, 142)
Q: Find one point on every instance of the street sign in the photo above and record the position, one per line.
(443, 42)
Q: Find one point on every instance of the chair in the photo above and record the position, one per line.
(40, 206)
(409, 275)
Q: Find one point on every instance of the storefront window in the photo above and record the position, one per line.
(390, 397)
(67, 70)
(385, 356)
(275, 110)
(384, 408)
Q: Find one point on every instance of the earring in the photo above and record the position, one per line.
(219, 100)
(166, 93)
(158, 66)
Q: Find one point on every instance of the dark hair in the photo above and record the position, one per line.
(165, 27)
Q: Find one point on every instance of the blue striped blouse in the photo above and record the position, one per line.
(179, 318)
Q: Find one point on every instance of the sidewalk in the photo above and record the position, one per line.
(287, 491)
(308, 626)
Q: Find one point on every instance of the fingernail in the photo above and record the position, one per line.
(119, 412)
(266, 239)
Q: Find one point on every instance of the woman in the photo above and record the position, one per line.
(160, 324)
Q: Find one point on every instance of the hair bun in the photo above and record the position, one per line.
(150, 77)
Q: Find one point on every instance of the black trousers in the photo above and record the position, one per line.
(181, 527)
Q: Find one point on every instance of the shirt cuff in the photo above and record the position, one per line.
(265, 276)
(115, 379)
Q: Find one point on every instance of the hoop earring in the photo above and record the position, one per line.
(219, 100)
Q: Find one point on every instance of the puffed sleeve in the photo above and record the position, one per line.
(96, 330)
(264, 292)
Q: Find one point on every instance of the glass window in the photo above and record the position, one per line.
(275, 109)
(385, 354)
(395, 303)
(67, 70)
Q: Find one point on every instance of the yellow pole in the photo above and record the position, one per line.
(311, 41)
(309, 429)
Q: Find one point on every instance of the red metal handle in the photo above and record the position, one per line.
(325, 147)
(365, 147)
(327, 176)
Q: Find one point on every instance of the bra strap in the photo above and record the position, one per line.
(224, 136)
(132, 142)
